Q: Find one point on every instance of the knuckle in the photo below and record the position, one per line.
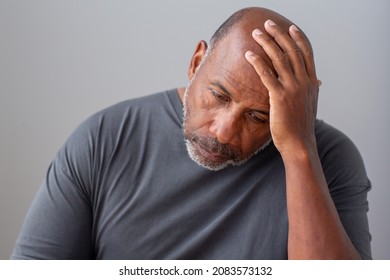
(308, 53)
(295, 50)
(268, 73)
(282, 56)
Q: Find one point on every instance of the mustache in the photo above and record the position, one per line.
(214, 146)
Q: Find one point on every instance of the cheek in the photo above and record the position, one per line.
(197, 114)
(253, 140)
(198, 122)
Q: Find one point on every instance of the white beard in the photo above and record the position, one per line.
(215, 166)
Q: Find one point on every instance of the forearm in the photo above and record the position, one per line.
(315, 229)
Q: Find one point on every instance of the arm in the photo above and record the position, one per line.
(315, 229)
(59, 222)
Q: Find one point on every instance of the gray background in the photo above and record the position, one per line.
(60, 61)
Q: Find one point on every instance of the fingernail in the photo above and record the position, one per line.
(270, 22)
(257, 32)
(294, 27)
(249, 54)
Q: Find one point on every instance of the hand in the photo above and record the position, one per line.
(292, 84)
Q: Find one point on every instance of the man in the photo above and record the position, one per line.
(263, 180)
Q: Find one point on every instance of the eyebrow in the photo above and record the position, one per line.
(217, 84)
(225, 91)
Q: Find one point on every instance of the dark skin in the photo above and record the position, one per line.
(260, 82)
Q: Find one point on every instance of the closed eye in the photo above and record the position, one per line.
(257, 117)
(220, 96)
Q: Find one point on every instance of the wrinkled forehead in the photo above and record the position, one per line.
(228, 61)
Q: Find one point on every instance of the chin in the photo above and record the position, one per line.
(195, 155)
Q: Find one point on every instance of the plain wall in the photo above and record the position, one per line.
(61, 61)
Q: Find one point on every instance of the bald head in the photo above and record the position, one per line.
(246, 20)
(233, 38)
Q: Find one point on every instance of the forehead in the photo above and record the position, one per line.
(227, 65)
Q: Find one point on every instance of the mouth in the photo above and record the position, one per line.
(211, 156)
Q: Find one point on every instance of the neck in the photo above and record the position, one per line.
(181, 91)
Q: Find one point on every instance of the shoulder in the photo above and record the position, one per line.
(100, 132)
(340, 158)
(107, 128)
(121, 109)
(325, 132)
(330, 139)
(91, 145)
(125, 113)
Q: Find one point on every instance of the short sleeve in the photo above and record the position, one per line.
(58, 224)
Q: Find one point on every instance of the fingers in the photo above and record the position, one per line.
(278, 56)
(284, 45)
(290, 53)
(305, 48)
(266, 74)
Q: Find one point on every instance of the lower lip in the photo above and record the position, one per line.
(211, 156)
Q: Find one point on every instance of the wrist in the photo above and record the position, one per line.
(299, 150)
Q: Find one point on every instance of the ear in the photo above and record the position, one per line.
(200, 51)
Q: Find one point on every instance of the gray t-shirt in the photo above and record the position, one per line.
(124, 187)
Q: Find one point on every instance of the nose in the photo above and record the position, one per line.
(226, 128)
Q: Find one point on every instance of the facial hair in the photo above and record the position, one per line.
(231, 156)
